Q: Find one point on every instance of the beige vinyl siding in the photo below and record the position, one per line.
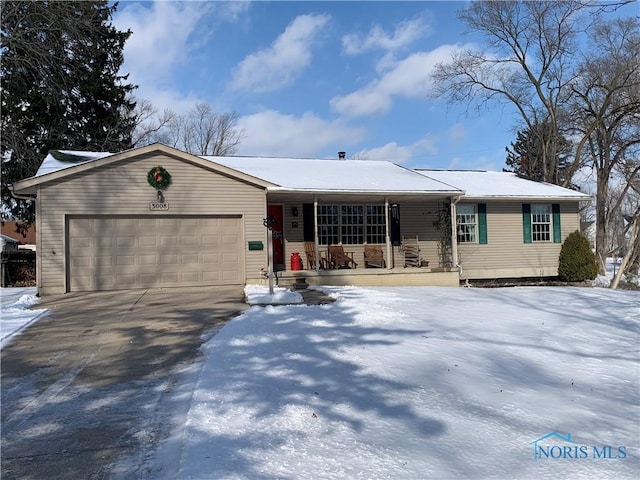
(122, 189)
(506, 255)
(417, 219)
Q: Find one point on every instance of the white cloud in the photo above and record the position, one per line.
(232, 11)
(393, 152)
(409, 78)
(457, 132)
(165, 98)
(406, 32)
(161, 37)
(278, 65)
(271, 133)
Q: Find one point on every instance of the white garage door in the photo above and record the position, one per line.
(113, 253)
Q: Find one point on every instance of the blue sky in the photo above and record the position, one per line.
(309, 79)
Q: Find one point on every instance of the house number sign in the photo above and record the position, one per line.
(158, 206)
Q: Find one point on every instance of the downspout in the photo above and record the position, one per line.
(316, 240)
(454, 235)
(21, 197)
(388, 236)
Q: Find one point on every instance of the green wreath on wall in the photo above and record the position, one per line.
(159, 178)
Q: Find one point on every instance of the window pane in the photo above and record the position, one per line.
(541, 223)
(376, 225)
(352, 224)
(466, 223)
(328, 222)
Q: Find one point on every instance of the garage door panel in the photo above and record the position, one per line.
(148, 260)
(193, 259)
(168, 260)
(193, 223)
(189, 240)
(168, 241)
(169, 278)
(104, 261)
(144, 252)
(148, 241)
(80, 242)
(80, 262)
(126, 260)
(104, 242)
(191, 277)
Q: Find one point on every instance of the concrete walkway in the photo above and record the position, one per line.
(84, 388)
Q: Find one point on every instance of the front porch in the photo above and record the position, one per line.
(357, 224)
(371, 277)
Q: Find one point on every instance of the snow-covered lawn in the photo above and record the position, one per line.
(15, 313)
(412, 383)
(420, 383)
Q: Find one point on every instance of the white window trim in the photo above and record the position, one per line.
(475, 222)
(549, 212)
(340, 224)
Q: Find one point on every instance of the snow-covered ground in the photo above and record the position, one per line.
(410, 383)
(15, 313)
(259, 295)
(612, 266)
(420, 383)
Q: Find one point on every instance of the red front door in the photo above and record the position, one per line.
(275, 211)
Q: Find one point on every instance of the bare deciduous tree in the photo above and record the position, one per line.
(527, 64)
(202, 131)
(631, 227)
(150, 123)
(533, 61)
(606, 115)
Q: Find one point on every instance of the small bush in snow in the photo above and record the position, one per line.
(577, 261)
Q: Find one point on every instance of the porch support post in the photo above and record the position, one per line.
(454, 235)
(315, 233)
(388, 236)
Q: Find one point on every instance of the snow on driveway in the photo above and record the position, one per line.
(412, 383)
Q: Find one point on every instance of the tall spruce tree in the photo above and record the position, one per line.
(60, 87)
(526, 156)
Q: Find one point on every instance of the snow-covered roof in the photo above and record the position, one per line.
(66, 159)
(333, 175)
(486, 184)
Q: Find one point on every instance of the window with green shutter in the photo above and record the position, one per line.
(557, 231)
(471, 223)
(526, 222)
(541, 223)
(482, 224)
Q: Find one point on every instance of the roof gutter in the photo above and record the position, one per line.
(365, 192)
(19, 196)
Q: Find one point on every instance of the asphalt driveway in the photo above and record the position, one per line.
(84, 391)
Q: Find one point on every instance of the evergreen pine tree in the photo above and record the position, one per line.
(60, 87)
(525, 155)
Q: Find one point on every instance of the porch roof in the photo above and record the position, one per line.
(335, 176)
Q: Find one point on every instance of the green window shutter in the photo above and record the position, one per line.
(308, 223)
(526, 222)
(557, 232)
(482, 223)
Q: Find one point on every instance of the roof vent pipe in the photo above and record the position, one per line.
(342, 155)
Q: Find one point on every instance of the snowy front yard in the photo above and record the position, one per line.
(409, 383)
(420, 383)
